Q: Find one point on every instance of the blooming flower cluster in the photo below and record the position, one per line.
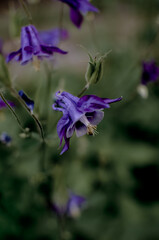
(80, 115)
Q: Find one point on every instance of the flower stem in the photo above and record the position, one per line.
(12, 110)
(26, 10)
(83, 90)
(61, 14)
(31, 114)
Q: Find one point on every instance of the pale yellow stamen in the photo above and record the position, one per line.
(91, 130)
(36, 64)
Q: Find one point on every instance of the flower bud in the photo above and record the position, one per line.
(94, 71)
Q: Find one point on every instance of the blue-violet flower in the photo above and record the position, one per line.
(32, 46)
(27, 100)
(78, 8)
(72, 207)
(150, 72)
(3, 105)
(79, 114)
(53, 36)
(5, 138)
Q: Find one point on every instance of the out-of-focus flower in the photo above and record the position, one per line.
(5, 138)
(3, 105)
(27, 100)
(80, 115)
(72, 208)
(53, 36)
(32, 47)
(78, 8)
(150, 72)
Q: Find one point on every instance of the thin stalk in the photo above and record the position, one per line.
(31, 114)
(61, 15)
(12, 111)
(26, 10)
(83, 90)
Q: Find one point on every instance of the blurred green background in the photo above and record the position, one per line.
(117, 170)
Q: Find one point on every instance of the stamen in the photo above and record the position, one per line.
(91, 130)
(36, 64)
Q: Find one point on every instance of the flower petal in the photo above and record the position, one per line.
(50, 50)
(86, 6)
(80, 129)
(76, 17)
(12, 55)
(89, 103)
(95, 117)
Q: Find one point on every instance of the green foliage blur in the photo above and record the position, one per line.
(117, 171)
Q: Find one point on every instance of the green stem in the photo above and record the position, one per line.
(26, 10)
(13, 112)
(31, 114)
(61, 16)
(83, 90)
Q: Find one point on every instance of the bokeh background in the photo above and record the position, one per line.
(117, 171)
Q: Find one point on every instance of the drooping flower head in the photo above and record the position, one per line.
(72, 207)
(80, 115)
(53, 36)
(150, 72)
(27, 100)
(5, 138)
(32, 47)
(78, 8)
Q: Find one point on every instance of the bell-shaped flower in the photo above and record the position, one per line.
(80, 115)
(78, 8)
(32, 47)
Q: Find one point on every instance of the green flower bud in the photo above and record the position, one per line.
(94, 71)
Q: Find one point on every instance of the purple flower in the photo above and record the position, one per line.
(53, 36)
(28, 101)
(150, 72)
(3, 105)
(78, 8)
(80, 115)
(5, 138)
(72, 207)
(32, 46)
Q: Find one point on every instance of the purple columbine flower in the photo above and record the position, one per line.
(150, 72)
(5, 138)
(53, 36)
(32, 46)
(80, 115)
(78, 8)
(72, 207)
(3, 105)
(27, 100)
